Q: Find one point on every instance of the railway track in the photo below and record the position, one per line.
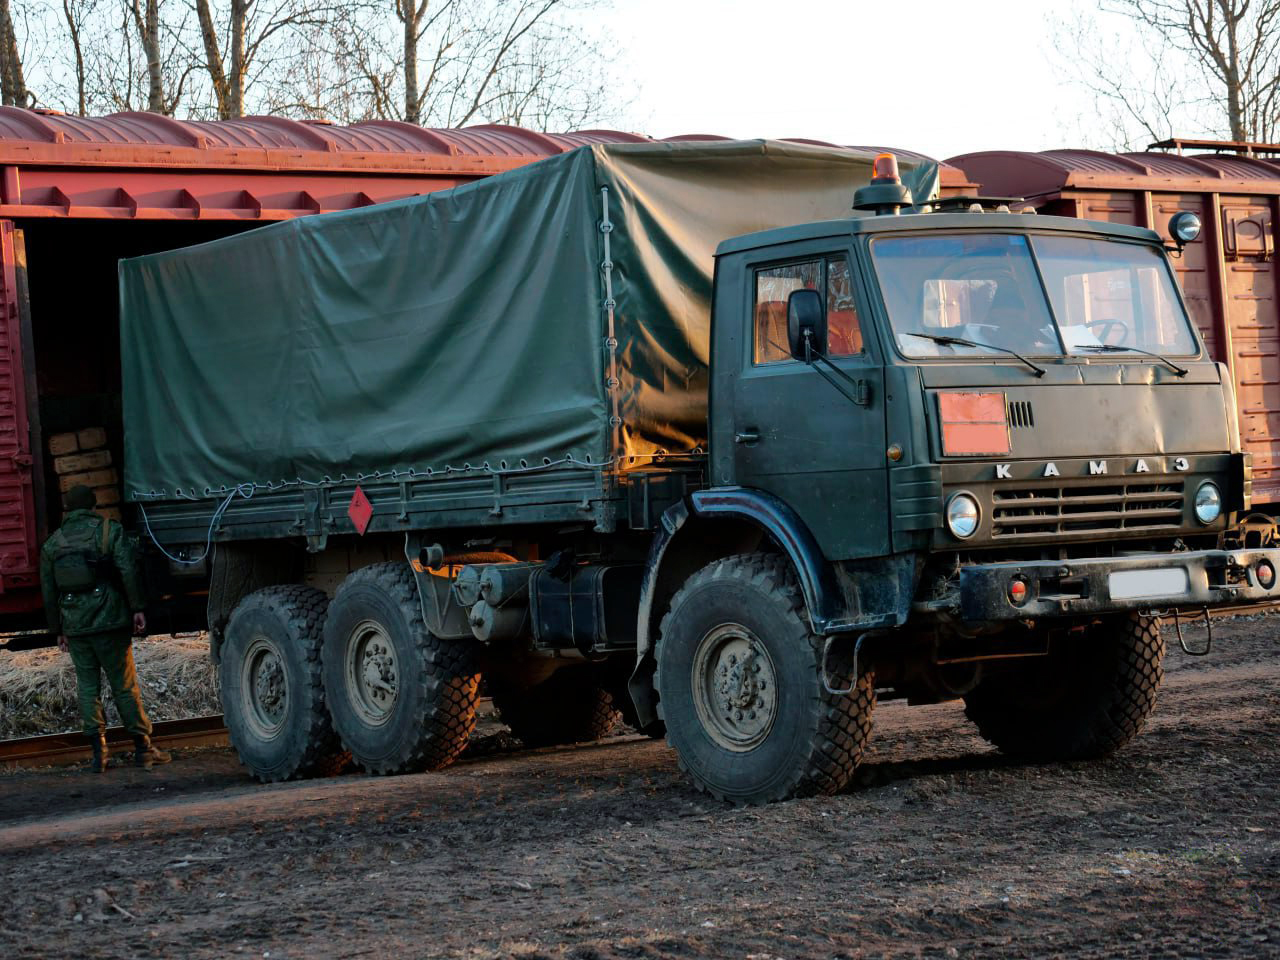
(66, 748)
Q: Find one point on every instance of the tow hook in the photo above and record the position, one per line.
(826, 677)
(1208, 630)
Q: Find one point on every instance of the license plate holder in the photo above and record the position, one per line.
(1152, 584)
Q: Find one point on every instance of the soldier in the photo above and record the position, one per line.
(89, 576)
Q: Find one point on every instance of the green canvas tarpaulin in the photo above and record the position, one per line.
(464, 328)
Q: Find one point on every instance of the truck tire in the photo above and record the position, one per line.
(740, 689)
(401, 698)
(272, 694)
(1086, 699)
(570, 706)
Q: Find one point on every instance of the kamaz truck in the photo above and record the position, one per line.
(732, 438)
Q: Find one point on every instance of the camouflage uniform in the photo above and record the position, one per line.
(98, 623)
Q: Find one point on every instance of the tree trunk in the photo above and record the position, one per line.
(1235, 83)
(148, 25)
(411, 14)
(77, 47)
(1235, 114)
(13, 86)
(239, 60)
(213, 56)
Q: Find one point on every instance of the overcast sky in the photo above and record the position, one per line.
(939, 77)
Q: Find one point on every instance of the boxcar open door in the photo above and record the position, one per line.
(19, 545)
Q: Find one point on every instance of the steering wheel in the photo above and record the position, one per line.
(1108, 327)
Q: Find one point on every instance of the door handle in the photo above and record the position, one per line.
(749, 435)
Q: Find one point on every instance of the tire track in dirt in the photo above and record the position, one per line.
(941, 849)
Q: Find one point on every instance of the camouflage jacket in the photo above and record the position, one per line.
(111, 602)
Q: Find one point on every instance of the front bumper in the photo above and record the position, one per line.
(1156, 581)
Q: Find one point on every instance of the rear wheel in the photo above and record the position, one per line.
(569, 707)
(1088, 698)
(402, 699)
(740, 687)
(270, 686)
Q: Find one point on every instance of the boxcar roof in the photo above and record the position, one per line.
(1031, 175)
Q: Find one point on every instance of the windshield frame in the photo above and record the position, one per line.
(1066, 356)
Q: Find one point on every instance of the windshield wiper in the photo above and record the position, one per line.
(1118, 348)
(962, 342)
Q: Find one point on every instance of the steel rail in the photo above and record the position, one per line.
(66, 748)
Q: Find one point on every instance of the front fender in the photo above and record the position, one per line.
(775, 517)
(765, 512)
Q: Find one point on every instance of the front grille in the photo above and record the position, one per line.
(1046, 511)
(1021, 414)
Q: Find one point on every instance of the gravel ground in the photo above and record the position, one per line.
(941, 849)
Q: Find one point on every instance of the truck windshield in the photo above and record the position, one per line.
(985, 288)
(1112, 294)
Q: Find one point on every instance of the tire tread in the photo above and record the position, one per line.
(836, 746)
(447, 674)
(302, 610)
(1101, 725)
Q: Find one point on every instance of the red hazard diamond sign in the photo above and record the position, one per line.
(360, 511)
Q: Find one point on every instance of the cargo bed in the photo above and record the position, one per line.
(531, 348)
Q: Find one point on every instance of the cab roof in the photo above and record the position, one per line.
(1002, 222)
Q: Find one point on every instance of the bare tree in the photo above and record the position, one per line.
(147, 22)
(253, 36)
(1138, 90)
(436, 62)
(1236, 44)
(453, 62)
(142, 61)
(1156, 68)
(13, 84)
(76, 14)
(487, 42)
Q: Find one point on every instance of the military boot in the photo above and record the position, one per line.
(147, 756)
(101, 759)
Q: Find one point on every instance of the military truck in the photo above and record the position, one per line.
(520, 433)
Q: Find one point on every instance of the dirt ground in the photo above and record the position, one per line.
(941, 849)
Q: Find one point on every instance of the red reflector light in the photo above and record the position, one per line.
(885, 169)
(360, 510)
(1018, 592)
(1266, 574)
(973, 423)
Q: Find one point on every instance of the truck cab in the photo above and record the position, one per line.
(980, 386)
(989, 456)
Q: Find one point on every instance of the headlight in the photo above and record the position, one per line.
(962, 516)
(1208, 502)
(1184, 227)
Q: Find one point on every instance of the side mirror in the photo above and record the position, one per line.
(805, 315)
(1184, 227)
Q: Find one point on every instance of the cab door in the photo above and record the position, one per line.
(795, 434)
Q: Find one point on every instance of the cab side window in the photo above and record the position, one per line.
(830, 276)
(844, 335)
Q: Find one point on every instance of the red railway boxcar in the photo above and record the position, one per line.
(78, 194)
(1229, 276)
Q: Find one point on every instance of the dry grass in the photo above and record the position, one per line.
(38, 687)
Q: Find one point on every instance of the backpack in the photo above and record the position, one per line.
(78, 557)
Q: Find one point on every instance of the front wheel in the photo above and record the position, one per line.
(740, 687)
(1087, 698)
